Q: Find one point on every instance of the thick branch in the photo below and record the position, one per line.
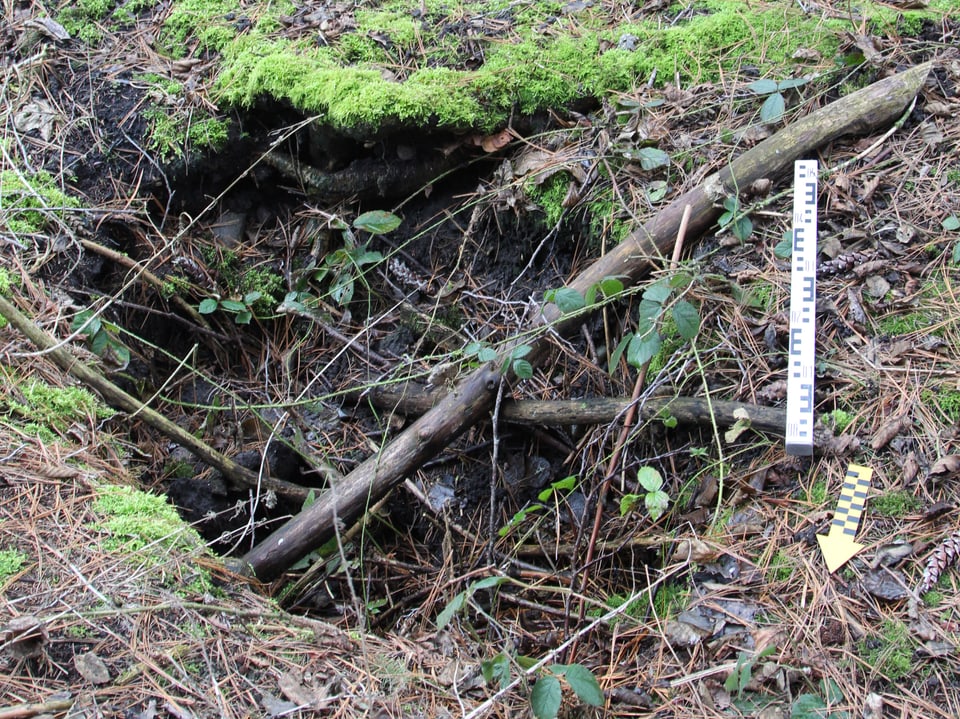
(869, 108)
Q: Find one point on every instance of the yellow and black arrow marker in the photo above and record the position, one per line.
(838, 547)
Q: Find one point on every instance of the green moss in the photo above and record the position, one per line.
(781, 567)
(894, 504)
(669, 601)
(948, 401)
(897, 325)
(817, 494)
(11, 562)
(149, 527)
(890, 653)
(202, 20)
(353, 81)
(40, 410)
(31, 204)
(837, 420)
(268, 283)
(173, 135)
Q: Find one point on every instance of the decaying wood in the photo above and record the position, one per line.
(116, 397)
(861, 112)
(593, 410)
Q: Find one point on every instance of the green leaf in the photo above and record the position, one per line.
(377, 222)
(569, 300)
(742, 228)
(521, 351)
(791, 82)
(687, 319)
(772, 108)
(951, 223)
(642, 348)
(368, 257)
(232, 306)
(525, 662)
(584, 685)
(522, 369)
(808, 706)
(486, 354)
(488, 583)
(670, 422)
(651, 158)
(208, 306)
(784, 248)
(545, 697)
(656, 191)
(657, 503)
(454, 606)
(86, 323)
(658, 292)
(252, 297)
(956, 254)
(731, 203)
(566, 484)
(618, 352)
(628, 502)
(120, 352)
(308, 500)
(497, 668)
(649, 479)
(99, 342)
(763, 87)
(243, 317)
(611, 286)
(680, 279)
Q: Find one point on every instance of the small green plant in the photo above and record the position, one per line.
(569, 300)
(547, 694)
(655, 499)
(781, 567)
(817, 494)
(461, 599)
(644, 344)
(11, 562)
(241, 309)
(735, 218)
(480, 352)
(894, 504)
(342, 268)
(890, 653)
(740, 677)
(775, 103)
(101, 338)
(545, 497)
(818, 706)
(546, 697)
(837, 420)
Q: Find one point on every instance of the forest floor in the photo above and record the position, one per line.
(652, 564)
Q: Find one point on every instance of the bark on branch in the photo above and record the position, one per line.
(861, 112)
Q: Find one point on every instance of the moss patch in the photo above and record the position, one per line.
(11, 562)
(30, 204)
(39, 410)
(148, 528)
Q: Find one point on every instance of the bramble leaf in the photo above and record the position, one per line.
(545, 697)
(377, 222)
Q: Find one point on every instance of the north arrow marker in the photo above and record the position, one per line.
(838, 547)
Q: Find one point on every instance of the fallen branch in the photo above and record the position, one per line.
(116, 397)
(873, 106)
(412, 400)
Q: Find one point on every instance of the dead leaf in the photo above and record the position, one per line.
(935, 511)
(808, 54)
(884, 583)
(892, 553)
(293, 689)
(890, 429)
(946, 466)
(911, 467)
(695, 550)
(941, 109)
(931, 134)
(91, 667)
(877, 286)
(38, 115)
(24, 637)
(50, 28)
(871, 48)
(873, 706)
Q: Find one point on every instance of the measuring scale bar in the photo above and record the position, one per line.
(803, 308)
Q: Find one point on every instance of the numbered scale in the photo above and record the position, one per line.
(803, 309)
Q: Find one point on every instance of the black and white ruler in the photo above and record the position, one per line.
(803, 309)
